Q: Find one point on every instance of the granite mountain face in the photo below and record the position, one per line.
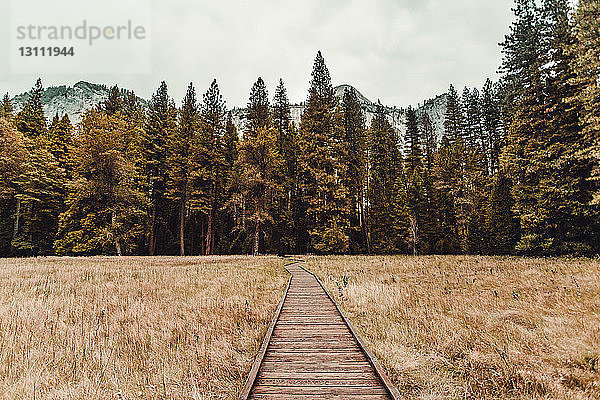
(74, 100)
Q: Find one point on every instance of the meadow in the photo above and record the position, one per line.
(443, 327)
(133, 328)
(475, 327)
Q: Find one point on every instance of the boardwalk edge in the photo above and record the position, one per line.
(247, 388)
(389, 386)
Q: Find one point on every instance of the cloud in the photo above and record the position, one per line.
(400, 51)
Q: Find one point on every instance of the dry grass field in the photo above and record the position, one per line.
(133, 328)
(475, 327)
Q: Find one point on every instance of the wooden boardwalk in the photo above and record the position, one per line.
(311, 351)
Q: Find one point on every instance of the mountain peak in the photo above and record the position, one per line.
(339, 90)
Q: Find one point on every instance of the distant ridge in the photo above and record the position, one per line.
(75, 100)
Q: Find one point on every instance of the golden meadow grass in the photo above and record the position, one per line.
(475, 327)
(188, 328)
(133, 328)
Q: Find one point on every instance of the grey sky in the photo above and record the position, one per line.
(400, 51)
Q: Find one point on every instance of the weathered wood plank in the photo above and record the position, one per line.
(312, 351)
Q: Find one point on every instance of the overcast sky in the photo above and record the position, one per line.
(399, 51)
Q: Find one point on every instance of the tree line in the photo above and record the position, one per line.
(515, 171)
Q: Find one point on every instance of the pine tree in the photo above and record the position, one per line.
(234, 239)
(523, 92)
(430, 226)
(448, 240)
(565, 191)
(453, 118)
(387, 214)
(523, 48)
(491, 126)
(550, 191)
(286, 208)
(586, 63)
(473, 176)
(114, 102)
(429, 142)
(208, 182)
(31, 120)
(324, 199)
(413, 152)
(6, 108)
(105, 213)
(134, 122)
(453, 168)
(13, 163)
(178, 159)
(161, 123)
(258, 113)
(281, 117)
(260, 160)
(502, 226)
(60, 141)
(230, 144)
(41, 186)
(416, 192)
(473, 130)
(355, 160)
(41, 201)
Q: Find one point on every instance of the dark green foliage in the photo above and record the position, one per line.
(551, 190)
(491, 127)
(286, 207)
(258, 114)
(31, 120)
(501, 223)
(447, 239)
(323, 197)
(6, 108)
(585, 51)
(355, 163)
(161, 123)
(60, 142)
(413, 152)
(430, 144)
(235, 239)
(114, 102)
(41, 197)
(387, 215)
(208, 174)
(260, 162)
(179, 157)
(453, 119)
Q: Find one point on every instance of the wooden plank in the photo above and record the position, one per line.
(312, 351)
(277, 396)
(392, 391)
(320, 390)
(245, 393)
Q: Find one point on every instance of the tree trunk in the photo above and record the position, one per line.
(117, 243)
(182, 227)
(153, 230)
(17, 219)
(256, 237)
(364, 224)
(414, 228)
(202, 241)
(208, 246)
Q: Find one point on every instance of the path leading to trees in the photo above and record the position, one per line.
(311, 351)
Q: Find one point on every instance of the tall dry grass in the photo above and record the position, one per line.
(476, 327)
(133, 328)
